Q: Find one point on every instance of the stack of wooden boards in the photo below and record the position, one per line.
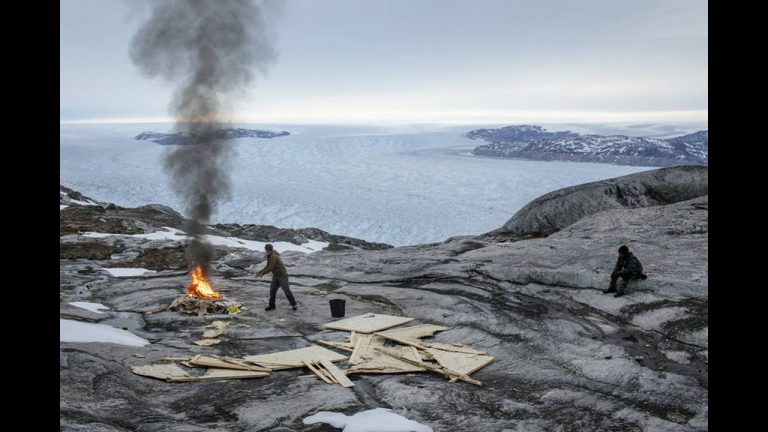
(376, 343)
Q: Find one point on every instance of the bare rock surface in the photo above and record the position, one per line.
(567, 356)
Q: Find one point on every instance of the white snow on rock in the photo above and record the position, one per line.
(654, 319)
(93, 307)
(374, 420)
(62, 206)
(76, 331)
(234, 242)
(127, 271)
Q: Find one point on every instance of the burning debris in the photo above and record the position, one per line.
(202, 299)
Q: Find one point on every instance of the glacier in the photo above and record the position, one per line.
(400, 185)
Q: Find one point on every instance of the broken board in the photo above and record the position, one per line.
(160, 371)
(376, 362)
(337, 373)
(294, 358)
(416, 332)
(463, 363)
(221, 374)
(213, 362)
(368, 323)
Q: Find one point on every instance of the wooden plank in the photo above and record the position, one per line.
(368, 323)
(176, 358)
(213, 362)
(221, 374)
(401, 340)
(441, 370)
(243, 363)
(363, 346)
(325, 372)
(160, 371)
(455, 347)
(294, 358)
(338, 345)
(316, 371)
(375, 362)
(462, 363)
(417, 331)
(337, 373)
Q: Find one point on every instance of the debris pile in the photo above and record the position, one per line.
(374, 346)
(197, 306)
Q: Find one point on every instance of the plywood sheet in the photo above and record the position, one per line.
(463, 363)
(368, 323)
(221, 374)
(455, 347)
(376, 362)
(294, 358)
(160, 371)
(214, 362)
(416, 332)
(363, 347)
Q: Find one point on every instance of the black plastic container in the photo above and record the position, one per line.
(337, 307)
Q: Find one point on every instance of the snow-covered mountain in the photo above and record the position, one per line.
(230, 133)
(536, 143)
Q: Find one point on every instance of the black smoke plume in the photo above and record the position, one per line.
(209, 51)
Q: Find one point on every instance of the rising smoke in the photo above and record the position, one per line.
(210, 51)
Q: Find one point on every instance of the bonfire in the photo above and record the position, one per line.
(201, 298)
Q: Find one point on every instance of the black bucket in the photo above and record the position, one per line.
(337, 307)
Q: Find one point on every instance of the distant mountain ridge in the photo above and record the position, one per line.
(229, 133)
(536, 143)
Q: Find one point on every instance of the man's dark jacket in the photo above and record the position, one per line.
(628, 265)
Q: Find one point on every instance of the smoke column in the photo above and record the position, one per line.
(210, 51)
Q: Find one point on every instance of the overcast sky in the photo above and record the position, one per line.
(412, 61)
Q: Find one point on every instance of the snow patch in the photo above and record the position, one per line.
(62, 206)
(76, 331)
(678, 356)
(93, 307)
(374, 420)
(654, 319)
(127, 271)
(234, 242)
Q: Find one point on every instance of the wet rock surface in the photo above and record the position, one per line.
(567, 356)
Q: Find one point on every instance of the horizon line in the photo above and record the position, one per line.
(453, 118)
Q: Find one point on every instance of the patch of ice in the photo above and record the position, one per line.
(93, 307)
(76, 331)
(374, 420)
(127, 271)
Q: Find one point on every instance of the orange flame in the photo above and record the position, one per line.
(201, 286)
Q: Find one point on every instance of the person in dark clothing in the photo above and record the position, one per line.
(627, 267)
(279, 277)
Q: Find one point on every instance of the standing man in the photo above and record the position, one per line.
(279, 277)
(627, 267)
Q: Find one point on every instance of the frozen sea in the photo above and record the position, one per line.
(400, 185)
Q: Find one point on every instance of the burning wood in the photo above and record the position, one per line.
(201, 298)
(201, 285)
